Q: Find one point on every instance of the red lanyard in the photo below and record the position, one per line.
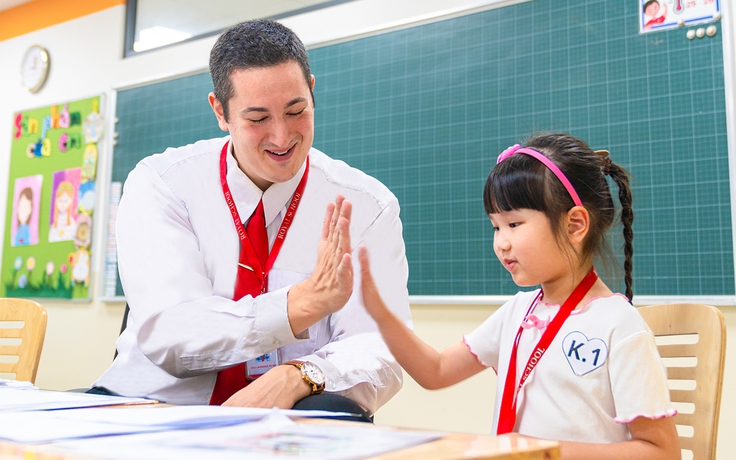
(261, 272)
(507, 412)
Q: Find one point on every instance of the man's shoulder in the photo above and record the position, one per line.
(351, 181)
(188, 155)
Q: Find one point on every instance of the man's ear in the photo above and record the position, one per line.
(219, 111)
(577, 224)
(311, 86)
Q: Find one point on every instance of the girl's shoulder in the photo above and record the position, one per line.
(618, 313)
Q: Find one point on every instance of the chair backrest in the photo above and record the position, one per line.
(22, 331)
(691, 339)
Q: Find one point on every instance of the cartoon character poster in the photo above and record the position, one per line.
(63, 216)
(26, 206)
(47, 249)
(657, 15)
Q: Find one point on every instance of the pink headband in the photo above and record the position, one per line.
(514, 149)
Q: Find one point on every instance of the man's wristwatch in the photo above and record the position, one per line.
(311, 374)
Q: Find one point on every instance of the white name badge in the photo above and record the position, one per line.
(256, 367)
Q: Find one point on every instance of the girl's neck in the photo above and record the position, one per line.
(558, 290)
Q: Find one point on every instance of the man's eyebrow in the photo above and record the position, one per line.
(296, 100)
(253, 109)
(292, 102)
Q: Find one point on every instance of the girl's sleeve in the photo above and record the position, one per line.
(485, 341)
(639, 379)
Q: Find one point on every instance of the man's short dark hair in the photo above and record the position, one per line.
(253, 44)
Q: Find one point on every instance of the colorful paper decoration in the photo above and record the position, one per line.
(51, 196)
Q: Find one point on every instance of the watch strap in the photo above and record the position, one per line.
(316, 388)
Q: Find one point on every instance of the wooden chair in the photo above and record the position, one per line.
(22, 331)
(691, 339)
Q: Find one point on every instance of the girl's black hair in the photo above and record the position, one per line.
(523, 182)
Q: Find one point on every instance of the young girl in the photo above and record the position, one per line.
(63, 224)
(575, 362)
(24, 212)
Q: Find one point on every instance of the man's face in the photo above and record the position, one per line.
(271, 121)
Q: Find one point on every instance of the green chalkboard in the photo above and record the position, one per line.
(427, 109)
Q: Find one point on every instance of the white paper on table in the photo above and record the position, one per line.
(14, 399)
(183, 416)
(32, 427)
(275, 437)
(20, 384)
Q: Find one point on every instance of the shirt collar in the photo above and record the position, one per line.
(246, 194)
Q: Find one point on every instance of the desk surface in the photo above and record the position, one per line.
(450, 447)
(467, 446)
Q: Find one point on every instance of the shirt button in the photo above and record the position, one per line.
(332, 384)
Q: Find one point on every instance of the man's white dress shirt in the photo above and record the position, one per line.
(178, 254)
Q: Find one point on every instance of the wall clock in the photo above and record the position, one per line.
(34, 68)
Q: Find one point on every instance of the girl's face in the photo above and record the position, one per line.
(63, 202)
(24, 209)
(652, 9)
(527, 247)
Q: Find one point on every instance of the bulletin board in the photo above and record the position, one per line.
(51, 200)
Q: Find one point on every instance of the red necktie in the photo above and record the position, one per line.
(231, 380)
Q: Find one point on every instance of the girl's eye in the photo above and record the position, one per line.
(514, 224)
(495, 229)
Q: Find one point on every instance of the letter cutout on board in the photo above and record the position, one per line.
(18, 126)
(55, 117)
(46, 147)
(32, 125)
(75, 141)
(63, 140)
(46, 126)
(64, 117)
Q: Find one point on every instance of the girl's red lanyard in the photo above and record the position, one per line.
(261, 272)
(507, 412)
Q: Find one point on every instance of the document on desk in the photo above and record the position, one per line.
(18, 399)
(274, 437)
(34, 427)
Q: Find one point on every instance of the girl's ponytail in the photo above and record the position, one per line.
(621, 178)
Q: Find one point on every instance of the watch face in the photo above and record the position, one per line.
(314, 373)
(34, 68)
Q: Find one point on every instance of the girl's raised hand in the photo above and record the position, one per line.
(371, 298)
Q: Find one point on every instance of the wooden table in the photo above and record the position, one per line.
(468, 446)
(451, 447)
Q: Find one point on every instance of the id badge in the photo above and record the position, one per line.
(256, 367)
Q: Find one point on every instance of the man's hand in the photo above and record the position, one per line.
(330, 286)
(280, 387)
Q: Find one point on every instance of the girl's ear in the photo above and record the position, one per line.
(577, 224)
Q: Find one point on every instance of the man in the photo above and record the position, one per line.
(204, 300)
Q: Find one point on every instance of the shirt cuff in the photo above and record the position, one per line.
(272, 320)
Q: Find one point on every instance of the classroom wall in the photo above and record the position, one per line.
(86, 56)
